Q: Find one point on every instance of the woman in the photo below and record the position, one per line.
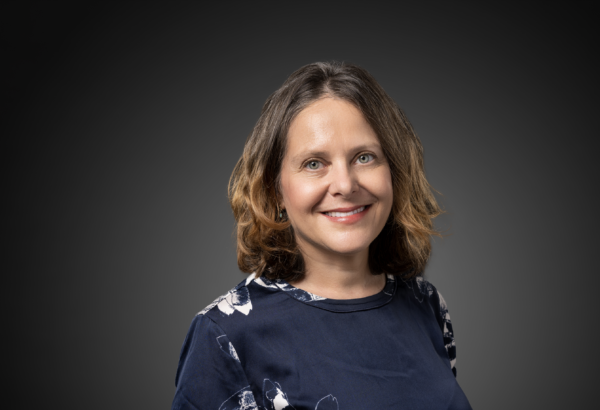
(334, 222)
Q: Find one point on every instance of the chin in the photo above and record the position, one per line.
(347, 243)
(349, 248)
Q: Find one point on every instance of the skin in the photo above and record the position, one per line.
(334, 161)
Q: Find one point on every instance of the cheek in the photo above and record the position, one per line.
(382, 186)
(300, 195)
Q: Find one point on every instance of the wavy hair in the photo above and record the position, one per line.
(265, 242)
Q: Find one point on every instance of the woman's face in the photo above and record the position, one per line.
(336, 184)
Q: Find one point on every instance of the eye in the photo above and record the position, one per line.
(313, 164)
(365, 158)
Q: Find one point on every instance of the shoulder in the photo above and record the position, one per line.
(243, 300)
(425, 293)
(236, 299)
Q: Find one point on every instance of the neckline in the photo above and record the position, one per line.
(334, 305)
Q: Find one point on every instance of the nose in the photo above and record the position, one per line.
(343, 181)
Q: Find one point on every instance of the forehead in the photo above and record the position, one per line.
(329, 123)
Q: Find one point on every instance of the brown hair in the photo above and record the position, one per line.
(265, 242)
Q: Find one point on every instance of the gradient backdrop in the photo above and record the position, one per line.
(125, 122)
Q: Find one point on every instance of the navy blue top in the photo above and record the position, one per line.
(268, 345)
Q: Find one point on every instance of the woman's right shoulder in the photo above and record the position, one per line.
(242, 300)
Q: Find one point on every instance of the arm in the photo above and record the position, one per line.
(210, 375)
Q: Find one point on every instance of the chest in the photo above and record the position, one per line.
(385, 358)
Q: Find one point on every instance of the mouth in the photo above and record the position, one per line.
(346, 212)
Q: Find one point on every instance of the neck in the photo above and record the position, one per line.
(336, 276)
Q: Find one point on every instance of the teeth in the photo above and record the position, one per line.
(340, 214)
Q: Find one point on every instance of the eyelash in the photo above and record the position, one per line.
(358, 156)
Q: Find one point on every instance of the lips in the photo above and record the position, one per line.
(347, 214)
(337, 214)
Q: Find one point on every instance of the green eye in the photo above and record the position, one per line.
(313, 164)
(364, 158)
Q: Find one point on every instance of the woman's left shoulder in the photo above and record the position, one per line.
(425, 293)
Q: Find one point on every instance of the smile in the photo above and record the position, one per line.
(347, 216)
(342, 214)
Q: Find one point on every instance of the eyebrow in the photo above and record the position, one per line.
(307, 154)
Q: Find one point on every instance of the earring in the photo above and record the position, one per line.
(280, 211)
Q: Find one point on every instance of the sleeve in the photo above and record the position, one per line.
(443, 319)
(210, 375)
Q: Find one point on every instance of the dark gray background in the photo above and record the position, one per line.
(125, 122)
